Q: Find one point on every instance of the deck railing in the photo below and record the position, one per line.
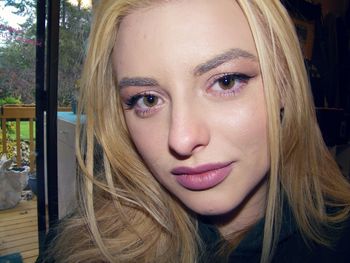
(20, 113)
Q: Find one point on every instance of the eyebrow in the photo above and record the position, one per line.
(212, 63)
(216, 61)
(137, 81)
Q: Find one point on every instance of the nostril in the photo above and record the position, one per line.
(179, 156)
(184, 155)
(184, 142)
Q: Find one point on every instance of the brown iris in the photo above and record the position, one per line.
(150, 100)
(227, 82)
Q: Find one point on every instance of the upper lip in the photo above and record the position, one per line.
(199, 169)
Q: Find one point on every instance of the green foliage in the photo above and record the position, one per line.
(10, 126)
(17, 62)
(11, 147)
(11, 152)
(74, 30)
(10, 100)
(24, 130)
(17, 54)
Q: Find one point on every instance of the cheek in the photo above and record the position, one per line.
(246, 129)
(246, 125)
(254, 130)
(254, 142)
(148, 137)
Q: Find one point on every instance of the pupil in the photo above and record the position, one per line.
(227, 82)
(150, 100)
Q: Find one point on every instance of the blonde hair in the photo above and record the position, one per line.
(126, 216)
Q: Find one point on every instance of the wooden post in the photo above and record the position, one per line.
(4, 139)
(19, 113)
(18, 142)
(31, 145)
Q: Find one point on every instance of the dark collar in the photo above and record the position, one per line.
(253, 240)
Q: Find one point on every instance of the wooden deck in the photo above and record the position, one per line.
(19, 231)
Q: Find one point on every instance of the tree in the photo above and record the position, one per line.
(74, 30)
(17, 53)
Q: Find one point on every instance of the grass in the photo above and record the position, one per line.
(24, 130)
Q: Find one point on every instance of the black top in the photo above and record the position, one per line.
(291, 246)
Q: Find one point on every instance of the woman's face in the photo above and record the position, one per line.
(190, 83)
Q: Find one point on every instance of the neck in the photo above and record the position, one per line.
(240, 219)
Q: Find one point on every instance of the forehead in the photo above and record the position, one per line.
(191, 31)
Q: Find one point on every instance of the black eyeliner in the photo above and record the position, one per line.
(234, 76)
(239, 76)
(131, 102)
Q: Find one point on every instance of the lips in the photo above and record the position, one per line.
(202, 177)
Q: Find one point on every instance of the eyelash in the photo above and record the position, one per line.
(242, 79)
(131, 102)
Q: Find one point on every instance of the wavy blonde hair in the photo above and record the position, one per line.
(126, 216)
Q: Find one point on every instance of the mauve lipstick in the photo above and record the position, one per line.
(202, 177)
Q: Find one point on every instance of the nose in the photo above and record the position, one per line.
(188, 132)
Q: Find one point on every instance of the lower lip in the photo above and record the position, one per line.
(204, 181)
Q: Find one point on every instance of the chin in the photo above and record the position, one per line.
(214, 207)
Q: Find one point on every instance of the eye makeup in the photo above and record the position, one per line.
(144, 103)
(228, 84)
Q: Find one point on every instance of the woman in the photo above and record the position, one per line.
(202, 115)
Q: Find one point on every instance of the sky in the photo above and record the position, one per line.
(9, 19)
(14, 20)
(84, 3)
(6, 15)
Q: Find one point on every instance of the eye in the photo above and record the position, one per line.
(229, 84)
(144, 103)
